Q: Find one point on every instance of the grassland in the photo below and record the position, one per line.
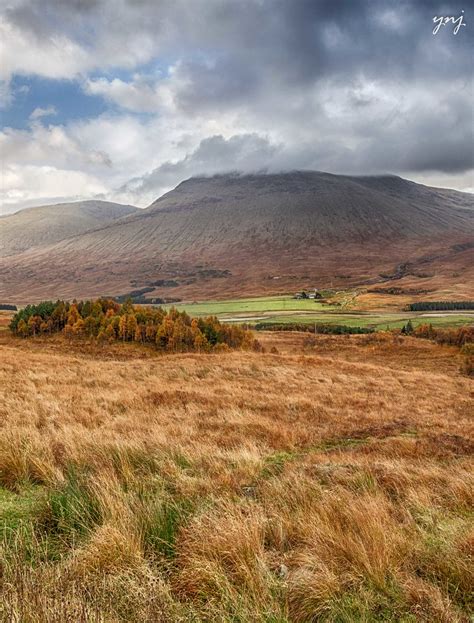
(286, 309)
(329, 480)
(256, 305)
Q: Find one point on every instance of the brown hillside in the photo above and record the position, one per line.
(45, 225)
(234, 234)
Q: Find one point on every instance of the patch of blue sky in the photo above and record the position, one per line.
(68, 97)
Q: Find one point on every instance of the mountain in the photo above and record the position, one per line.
(45, 225)
(247, 234)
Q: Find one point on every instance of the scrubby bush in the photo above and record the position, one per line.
(460, 336)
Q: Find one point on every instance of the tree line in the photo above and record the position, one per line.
(440, 305)
(107, 320)
(331, 329)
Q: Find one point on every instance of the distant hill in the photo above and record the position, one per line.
(45, 225)
(246, 234)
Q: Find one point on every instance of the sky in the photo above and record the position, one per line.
(123, 99)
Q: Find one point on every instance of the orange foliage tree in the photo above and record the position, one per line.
(106, 320)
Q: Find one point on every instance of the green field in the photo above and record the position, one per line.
(286, 310)
(377, 321)
(255, 305)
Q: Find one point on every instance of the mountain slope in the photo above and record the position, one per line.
(234, 234)
(45, 225)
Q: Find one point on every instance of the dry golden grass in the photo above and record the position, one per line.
(330, 481)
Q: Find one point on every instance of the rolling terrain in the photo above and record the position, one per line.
(248, 234)
(34, 228)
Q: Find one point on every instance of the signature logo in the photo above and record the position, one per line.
(457, 22)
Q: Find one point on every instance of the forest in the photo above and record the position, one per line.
(440, 305)
(107, 320)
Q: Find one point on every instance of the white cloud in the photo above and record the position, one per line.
(38, 113)
(56, 56)
(139, 95)
(51, 145)
(134, 158)
(34, 185)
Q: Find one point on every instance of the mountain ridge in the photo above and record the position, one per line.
(252, 233)
(48, 224)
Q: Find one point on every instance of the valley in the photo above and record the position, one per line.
(344, 308)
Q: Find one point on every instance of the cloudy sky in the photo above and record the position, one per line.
(123, 99)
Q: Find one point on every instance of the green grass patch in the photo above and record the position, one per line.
(19, 535)
(254, 305)
(445, 558)
(72, 510)
(370, 604)
(162, 517)
(17, 509)
(275, 463)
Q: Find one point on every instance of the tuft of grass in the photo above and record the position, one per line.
(161, 519)
(446, 557)
(24, 461)
(72, 509)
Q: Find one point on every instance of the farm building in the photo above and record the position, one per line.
(314, 294)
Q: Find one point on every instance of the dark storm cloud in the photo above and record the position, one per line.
(260, 56)
(294, 44)
(356, 86)
(297, 41)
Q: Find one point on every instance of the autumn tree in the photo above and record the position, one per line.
(164, 333)
(131, 326)
(91, 325)
(78, 327)
(73, 315)
(122, 332)
(169, 330)
(140, 333)
(110, 332)
(22, 328)
(34, 325)
(150, 332)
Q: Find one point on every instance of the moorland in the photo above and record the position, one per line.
(316, 478)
